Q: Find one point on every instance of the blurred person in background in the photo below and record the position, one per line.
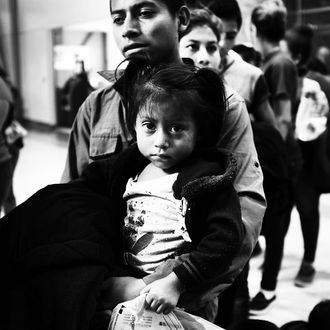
(311, 123)
(323, 55)
(6, 172)
(243, 77)
(14, 134)
(268, 26)
(75, 91)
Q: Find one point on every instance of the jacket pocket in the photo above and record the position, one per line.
(103, 146)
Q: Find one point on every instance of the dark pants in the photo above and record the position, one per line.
(234, 301)
(307, 201)
(274, 231)
(277, 218)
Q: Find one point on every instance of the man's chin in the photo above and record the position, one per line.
(143, 56)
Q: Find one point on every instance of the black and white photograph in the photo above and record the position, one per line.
(164, 164)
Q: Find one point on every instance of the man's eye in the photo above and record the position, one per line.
(231, 35)
(118, 20)
(146, 13)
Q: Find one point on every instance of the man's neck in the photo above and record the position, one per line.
(269, 47)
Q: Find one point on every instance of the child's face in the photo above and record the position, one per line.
(201, 45)
(165, 135)
(145, 27)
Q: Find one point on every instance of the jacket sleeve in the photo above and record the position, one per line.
(78, 146)
(218, 230)
(238, 138)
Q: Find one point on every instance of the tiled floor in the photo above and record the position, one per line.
(41, 163)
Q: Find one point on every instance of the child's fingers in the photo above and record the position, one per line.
(161, 308)
(150, 302)
(154, 305)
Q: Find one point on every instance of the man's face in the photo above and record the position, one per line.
(228, 36)
(201, 45)
(145, 27)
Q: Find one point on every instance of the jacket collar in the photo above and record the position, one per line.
(208, 171)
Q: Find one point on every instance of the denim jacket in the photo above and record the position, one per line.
(97, 133)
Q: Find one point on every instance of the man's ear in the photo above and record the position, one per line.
(184, 18)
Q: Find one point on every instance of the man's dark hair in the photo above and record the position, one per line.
(227, 10)
(202, 17)
(269, 19)
(224, 9)
(172, 5)
(199, 92)
(300, 44)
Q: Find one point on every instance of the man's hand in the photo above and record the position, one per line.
(163, 295)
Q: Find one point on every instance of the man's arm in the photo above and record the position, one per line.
(4, 110)
(238, 138)
(282, 109)
(261, 108)
(78, 145)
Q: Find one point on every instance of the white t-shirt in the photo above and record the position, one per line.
(154, 227)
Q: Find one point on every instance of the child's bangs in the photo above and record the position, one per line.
(179, 102)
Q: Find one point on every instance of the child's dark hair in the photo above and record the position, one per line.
(201, 17)
(269, 19)
(300, 44)
(172, 5)
(197, 91)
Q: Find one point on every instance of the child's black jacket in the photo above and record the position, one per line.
(59, 246)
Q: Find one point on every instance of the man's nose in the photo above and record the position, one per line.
(131, 27)
(222, 42)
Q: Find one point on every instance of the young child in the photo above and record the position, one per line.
(170, 195)
(179, 192)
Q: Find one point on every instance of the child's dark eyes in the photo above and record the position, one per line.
(176, 129)
(149, 126)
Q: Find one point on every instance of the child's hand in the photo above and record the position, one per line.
(163, 295)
